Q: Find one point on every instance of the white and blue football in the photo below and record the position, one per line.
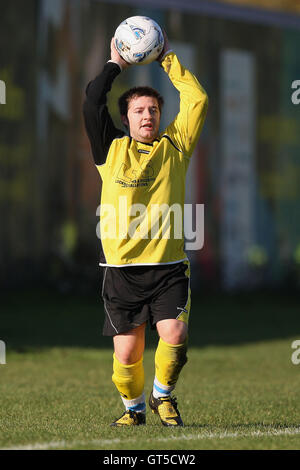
(139, 40)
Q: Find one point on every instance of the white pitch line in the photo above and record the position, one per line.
(63, 444)
(192, 437)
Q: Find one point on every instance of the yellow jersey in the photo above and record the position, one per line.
(143, 185)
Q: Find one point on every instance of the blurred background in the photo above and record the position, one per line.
(56, 381)
(245, 169)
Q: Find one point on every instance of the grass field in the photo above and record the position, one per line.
(239, 389)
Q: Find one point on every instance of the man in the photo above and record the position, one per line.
(146, 271)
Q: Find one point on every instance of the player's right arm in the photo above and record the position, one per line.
(98, 122)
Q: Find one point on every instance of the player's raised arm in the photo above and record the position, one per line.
(98, 122)
(186, 127)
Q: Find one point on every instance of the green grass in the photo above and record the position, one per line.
(239, 389)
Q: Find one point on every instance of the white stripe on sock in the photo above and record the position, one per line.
(160, 390)
(136, 401)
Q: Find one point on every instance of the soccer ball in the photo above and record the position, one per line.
(139, 40)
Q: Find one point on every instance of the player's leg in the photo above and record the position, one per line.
(128, 375)
(170, 356)
(125, 321)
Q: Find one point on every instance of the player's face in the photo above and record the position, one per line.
(143, 118)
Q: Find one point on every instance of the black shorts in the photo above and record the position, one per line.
(134, 295)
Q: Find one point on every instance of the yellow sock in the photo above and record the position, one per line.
(169, 360)
(129, 380)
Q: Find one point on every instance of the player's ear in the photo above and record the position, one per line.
(125, 121)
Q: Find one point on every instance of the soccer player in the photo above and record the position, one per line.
(146, 271)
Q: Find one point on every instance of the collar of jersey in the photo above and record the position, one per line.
(146, 143)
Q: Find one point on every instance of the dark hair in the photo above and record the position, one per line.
(137, 92)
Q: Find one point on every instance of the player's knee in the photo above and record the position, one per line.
(176, 337)
(128, 357)
(172, 331)
(129, 347)
(129, 353)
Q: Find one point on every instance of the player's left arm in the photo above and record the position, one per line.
(187, 125)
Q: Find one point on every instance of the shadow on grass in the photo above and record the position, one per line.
(36, 319)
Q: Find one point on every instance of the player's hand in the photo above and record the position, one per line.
(115, 56)
(166, 47)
